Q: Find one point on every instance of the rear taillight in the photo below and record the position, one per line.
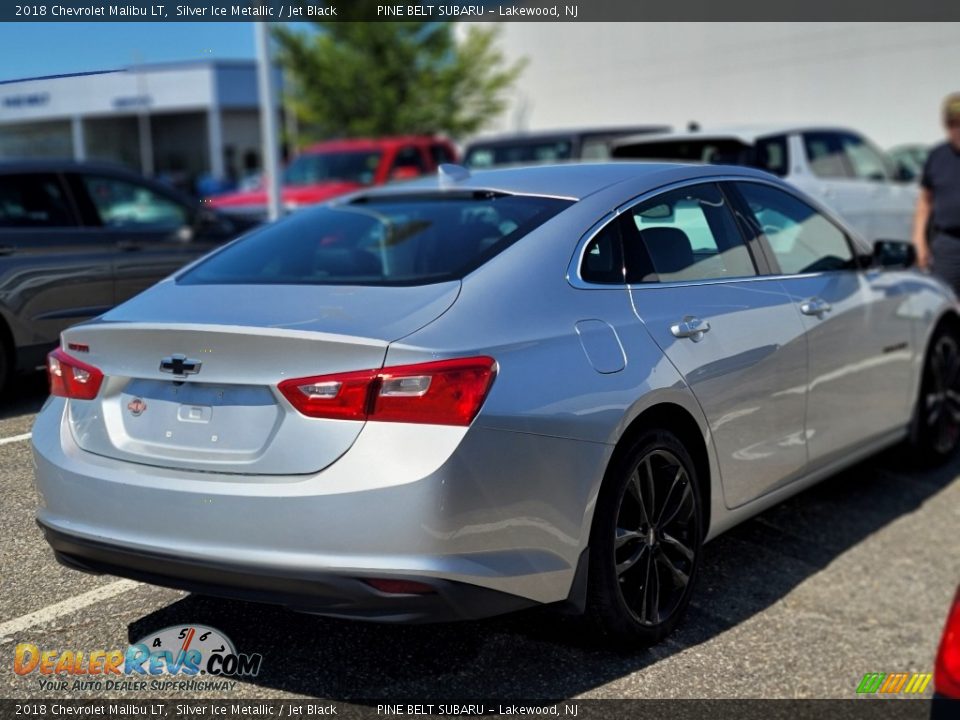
(946, 673)
(71, 378)
(445, 392)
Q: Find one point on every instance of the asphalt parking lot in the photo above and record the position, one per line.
(852, 576)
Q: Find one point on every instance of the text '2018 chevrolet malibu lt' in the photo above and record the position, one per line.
(459, 397)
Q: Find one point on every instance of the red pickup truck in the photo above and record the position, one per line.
(328, 169)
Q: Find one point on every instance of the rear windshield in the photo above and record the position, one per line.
(522, 152)
(397, 240)
(716, 151)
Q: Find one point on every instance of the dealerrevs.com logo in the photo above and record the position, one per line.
(171, 659)
(893, 683)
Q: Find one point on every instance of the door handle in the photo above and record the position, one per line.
(690, 327)
(815, 306)
(127, 245)
(7, 249)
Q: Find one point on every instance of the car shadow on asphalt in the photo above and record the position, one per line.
(540, 654)
(25, 395)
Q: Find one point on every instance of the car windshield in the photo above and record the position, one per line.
(358, 166)
(521, 152)
(390, 240)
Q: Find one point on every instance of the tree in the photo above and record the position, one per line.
(350, 79)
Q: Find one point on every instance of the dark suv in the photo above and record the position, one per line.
(550, 146)
(77, 239)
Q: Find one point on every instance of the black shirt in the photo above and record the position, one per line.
(941, 176)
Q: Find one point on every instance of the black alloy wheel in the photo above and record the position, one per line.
(938, 411)
(645, 544)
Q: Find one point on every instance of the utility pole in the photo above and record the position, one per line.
(268, 120)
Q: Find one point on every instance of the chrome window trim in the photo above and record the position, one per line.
(576, 262)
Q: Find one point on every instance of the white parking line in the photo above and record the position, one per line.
(66, 607)
(15, 438)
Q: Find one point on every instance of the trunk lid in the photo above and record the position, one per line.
(230, 346)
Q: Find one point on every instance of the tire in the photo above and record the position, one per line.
(936, 431)
(645, 543)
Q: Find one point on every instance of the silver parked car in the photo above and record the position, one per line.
(459, 397)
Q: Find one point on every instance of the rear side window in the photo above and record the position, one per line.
(603, 257)
(121, 203)
(530, 152)
(825, 154)
(34, 200)
(390, 240)
(715, 151)
(771, 155)
(409, 157)
(684, 234)
(441, 153)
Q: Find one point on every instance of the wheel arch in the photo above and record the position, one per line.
(674, 417)
(949, 318)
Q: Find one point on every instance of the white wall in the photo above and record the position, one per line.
(885, 79)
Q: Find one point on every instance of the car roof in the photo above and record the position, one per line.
(371, 143)
(63, 165)
(746, 134)
(573, 181)
(564, 133)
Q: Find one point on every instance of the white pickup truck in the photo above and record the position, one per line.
(838, 166)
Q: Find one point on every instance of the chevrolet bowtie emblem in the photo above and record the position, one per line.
(180, 365)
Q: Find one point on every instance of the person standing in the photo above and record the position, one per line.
(936, 225)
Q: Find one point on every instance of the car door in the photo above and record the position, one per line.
(856, 322)
(733, 335)
(821, 168)
(891, 203)
(849, 175)
(152, 233)
(53, 271)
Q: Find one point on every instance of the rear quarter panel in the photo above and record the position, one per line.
(520, 309)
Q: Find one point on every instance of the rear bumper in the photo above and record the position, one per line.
(493, 520)
(321, 593)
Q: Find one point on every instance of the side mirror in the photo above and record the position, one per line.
(404, 172)
(904, 174)
(894, 254)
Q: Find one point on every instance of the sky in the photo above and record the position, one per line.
(35, 49)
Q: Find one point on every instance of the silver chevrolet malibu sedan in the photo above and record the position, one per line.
(468, 395)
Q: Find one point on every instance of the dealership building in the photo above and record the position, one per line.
(180, 120)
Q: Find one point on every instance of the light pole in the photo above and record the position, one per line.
(268, 120)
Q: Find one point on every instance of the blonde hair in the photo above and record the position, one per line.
(951, 106)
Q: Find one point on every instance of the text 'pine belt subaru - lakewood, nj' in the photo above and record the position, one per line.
(463, 396)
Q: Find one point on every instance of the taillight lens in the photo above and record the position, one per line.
(946, 674)
(339, 397)
(445, 392)
(71, 378)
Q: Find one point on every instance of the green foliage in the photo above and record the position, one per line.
(352, 79)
